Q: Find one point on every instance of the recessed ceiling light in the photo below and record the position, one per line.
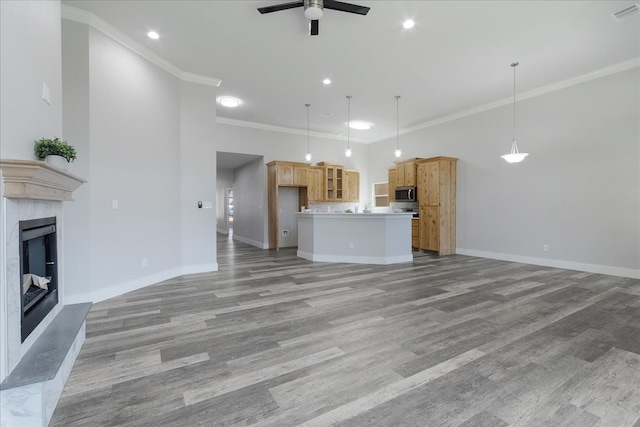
(153, 35)
(229, 101)
(360, 125)
(408, 24)
(326, 81)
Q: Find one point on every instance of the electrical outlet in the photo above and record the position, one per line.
(350, 245)
(285, 233)
(114, 204)
(145, 262)
(545, 248)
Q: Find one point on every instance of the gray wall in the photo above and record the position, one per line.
(578, 191)
(146, 139)
(224, 182)
(249, 193)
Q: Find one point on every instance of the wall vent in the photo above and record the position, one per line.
(634, 9)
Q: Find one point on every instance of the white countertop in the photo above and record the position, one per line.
(355, 215)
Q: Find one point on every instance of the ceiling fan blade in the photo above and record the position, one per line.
(346, 7)
(281, 6)
(314, 27)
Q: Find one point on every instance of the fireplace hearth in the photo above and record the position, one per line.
(39, 268)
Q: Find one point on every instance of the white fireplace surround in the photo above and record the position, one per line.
(30, 190)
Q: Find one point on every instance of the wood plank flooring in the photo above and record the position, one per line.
(274, 340)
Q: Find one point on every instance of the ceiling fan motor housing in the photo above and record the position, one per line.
(313, 9)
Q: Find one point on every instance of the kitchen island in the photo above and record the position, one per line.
(362, 238)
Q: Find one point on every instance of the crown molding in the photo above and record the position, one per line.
(88, 18)
(262, 126)
(563, 84)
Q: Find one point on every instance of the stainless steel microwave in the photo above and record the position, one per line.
(406, 194)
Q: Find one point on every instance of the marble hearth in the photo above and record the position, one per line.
(30, 190)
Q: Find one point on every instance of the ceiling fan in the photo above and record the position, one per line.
(313, 10)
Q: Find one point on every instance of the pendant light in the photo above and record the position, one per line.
(514, 156)
(348, 151)
(398, 153)
(308, 156)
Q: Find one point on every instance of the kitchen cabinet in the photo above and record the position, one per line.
(415, 233)
(351, 186)
(406, 173)
(400, 175)
(315, 188)
(289, 174)
(333, 182)
(436, 181)
(300, 176)
(284, 174)
(392, 184)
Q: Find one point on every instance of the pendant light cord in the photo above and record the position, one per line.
(348, 120)
(514, 65)
(397, 122)
(307, 105)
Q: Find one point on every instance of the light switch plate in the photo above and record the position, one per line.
(46, 96)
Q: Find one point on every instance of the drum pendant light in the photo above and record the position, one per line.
(514, 156)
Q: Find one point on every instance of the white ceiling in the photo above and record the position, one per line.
(456, 58)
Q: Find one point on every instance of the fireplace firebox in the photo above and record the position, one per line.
(38, 264)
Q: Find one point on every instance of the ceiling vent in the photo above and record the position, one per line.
(634, 9)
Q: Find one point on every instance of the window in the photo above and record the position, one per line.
(380, 194)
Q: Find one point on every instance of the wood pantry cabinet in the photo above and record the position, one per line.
(436, 181)
(415, 233)
(392, 184)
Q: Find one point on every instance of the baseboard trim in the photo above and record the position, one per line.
(545, 262)
(142, 282)
(255, 243)
(355, 259)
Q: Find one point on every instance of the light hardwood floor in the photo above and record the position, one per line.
(275, 340)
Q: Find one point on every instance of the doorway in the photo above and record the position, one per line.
(230, 211)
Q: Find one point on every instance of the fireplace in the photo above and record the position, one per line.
(38, 265)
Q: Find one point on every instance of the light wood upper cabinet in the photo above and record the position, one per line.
(300, 176)
(437, 204)
(392, 184)
(352, 186)
(315, 190)
(285, 174)
(400, 175)
(406, 174)
(410, 174)
(333, 182)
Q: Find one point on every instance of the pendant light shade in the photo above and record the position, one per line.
(348, 150)
(514, 156)
(308, 155)
(398, 152)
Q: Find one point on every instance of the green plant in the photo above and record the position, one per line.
(48, 147)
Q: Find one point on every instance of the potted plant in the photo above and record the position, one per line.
(54, 151)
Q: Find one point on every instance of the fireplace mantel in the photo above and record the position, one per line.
(34, 179)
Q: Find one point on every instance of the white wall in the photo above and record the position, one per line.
(30, 55)
(578, 191)
(250, 204)
(224, 182)
(145, 139)
(75, 82)
(198, 176)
